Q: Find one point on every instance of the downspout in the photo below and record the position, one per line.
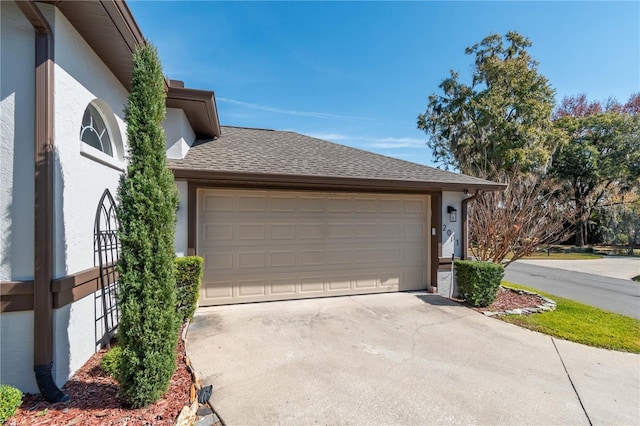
(43, 205)
(465, 223)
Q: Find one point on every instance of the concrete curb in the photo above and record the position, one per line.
(195, 413)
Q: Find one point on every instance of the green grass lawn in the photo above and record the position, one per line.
(581, 323)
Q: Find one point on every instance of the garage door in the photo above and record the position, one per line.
(277, 245)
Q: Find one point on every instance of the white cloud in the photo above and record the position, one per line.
(391, 143)
(312, 114)
(330, 136)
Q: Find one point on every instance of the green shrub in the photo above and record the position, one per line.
(111, 360)
(148, 329)
(188, 280)
(10, 399)
(478, 282)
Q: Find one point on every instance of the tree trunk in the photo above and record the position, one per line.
(580, 222)
(580, 233)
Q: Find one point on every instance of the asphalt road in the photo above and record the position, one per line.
(612, 294)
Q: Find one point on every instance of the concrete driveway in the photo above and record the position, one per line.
(401, 358)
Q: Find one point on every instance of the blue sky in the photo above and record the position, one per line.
(359, 73)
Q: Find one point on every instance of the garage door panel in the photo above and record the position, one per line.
(218, 261)
(336, 257)
(281, 259)
(312, 285)
(277, 245)
(282, 231)
(334, 284)
(251, 204)
(251, 231)
(217, 290)
(311, 231)
(414, 206)
(251, 259)
(339, 230)
(251, 288)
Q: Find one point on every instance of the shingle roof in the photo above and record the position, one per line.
(259, 151)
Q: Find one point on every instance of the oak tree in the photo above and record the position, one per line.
(501, 121)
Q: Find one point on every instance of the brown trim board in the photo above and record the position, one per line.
(257, 180)
(43, 150)
(18, 295)
(192, 215)
(436, 237)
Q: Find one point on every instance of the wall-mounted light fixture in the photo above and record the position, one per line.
(453, 213)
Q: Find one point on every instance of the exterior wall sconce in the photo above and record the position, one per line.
(453, 214)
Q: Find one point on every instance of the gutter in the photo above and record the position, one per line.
(465, 223)
(43, 204)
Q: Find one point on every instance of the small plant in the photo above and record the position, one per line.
(188, 279)
(111, 360)
(10, 400)
(478, 282)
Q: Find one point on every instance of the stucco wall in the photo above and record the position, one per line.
(78, 329)
(80, 78)
(16, 159)
(452, 243)
(16, 189)
(178, 132)
(16, 355)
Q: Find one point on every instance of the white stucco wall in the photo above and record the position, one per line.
(17, 92)
(78, 328)
(452, 243)
(178, 133)
(16, 189)
(80, 78)
(80, 177)
(16, 355)
(181, 241)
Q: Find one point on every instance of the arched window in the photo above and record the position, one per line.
(100, 138)
(94, 132)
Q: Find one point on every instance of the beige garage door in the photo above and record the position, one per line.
(277, 245)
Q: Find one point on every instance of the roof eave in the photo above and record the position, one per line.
(203, 117)
(116, 51)
(311, 181)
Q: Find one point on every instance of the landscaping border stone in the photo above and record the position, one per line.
(546, 305)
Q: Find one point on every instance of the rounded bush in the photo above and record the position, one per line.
(111, 360)
(10, 400)
(478, 282)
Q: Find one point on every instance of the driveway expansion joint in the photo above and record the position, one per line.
(571, 381)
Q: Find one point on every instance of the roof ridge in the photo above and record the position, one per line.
(251, 128)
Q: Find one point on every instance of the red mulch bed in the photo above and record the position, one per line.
(95, 401)
(507, 300)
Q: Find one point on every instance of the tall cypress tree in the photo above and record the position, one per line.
(148, 329)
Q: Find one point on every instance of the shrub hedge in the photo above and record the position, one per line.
(10, 399)
(478, 282)
(188, 280)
